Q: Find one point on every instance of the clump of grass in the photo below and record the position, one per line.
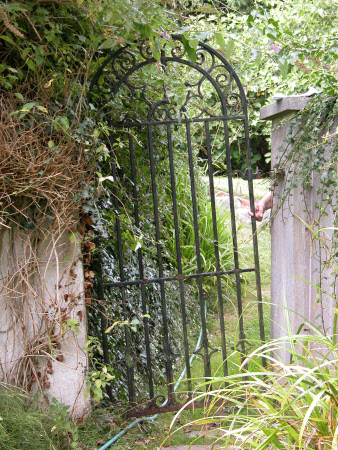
(23, 426)
(281, 406)
(27, 425)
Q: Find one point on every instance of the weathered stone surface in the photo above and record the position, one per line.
(41, 287)
(283, 107)
(294, 269)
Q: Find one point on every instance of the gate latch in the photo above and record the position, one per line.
(255, 176)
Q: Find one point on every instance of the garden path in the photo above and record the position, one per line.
(194, 447)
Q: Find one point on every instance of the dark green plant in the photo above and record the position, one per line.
(205, 229)
(25, 426)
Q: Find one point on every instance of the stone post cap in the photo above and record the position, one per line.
(282, 106)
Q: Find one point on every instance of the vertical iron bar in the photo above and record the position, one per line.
(234, 238)
(254, 236)
(141, 270)
(214, 225)
(128, 355)
(167, 349)
(104, 321)
(207, 368)
(179, 256)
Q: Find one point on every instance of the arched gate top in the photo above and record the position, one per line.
(172, 90)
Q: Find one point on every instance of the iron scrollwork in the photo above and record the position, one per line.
(209, 88)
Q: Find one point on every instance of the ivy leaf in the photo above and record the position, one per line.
(250, 21)
(71, 238)
(19, 96)
(38, 60)
(284, 68)
(220, 40)
(229, 48)
(191, 52)
(65, 122)
(193, 43)
(25, 52)
(28, 106)
(31, 65)
(86, 392)
(97, 393)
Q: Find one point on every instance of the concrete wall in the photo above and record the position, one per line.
(41, 288)
(294, 254)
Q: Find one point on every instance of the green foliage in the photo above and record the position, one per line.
(135, 322)
(72, 324)
(24, 426)
(279, 46)
(47, 64)
(97, 380)
(36, 44)
(310, 154)
(301, 34)
(282, 405)
(27, 423)
(275, 47)
(205, 228)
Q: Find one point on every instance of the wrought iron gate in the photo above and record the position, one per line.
(203, 102)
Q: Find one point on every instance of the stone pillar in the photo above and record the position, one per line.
(43, 327)
(292, 247)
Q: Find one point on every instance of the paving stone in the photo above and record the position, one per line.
(193, 447)
(208, 434)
